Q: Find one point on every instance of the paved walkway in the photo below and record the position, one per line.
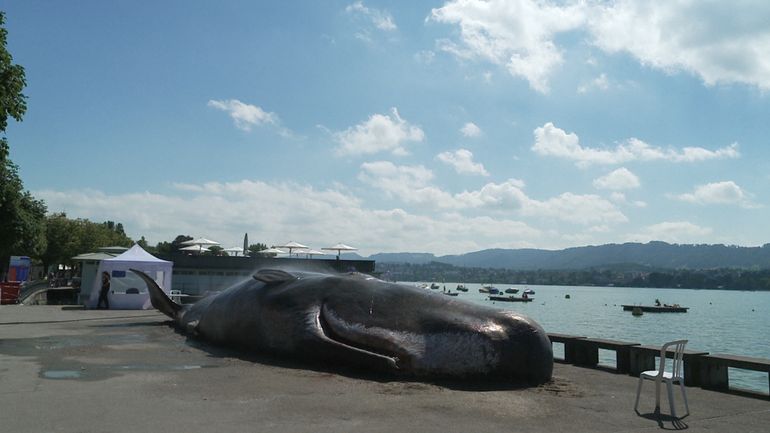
(128, 371)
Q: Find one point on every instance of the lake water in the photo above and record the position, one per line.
(719, 321)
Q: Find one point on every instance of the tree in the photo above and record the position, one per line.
(62, 239)
(13, 103)
(166, 248)
(255, 248)
(67, 238)
(143, 243)
(22, 217)
(215, 250)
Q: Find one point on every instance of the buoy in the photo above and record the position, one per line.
(566, 296)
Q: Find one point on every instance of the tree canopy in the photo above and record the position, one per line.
(70, 237)
(22, 217)
(13, 103)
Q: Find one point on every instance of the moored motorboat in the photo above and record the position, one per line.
(512, 290)
(434, 286)
(461, 288)
(529, 292)
(510, 298)
(676, 308)
(488, 288)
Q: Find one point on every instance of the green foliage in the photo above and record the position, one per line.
(70, 237)
(168, 248)
(143, 243)
(254, 248)
(215, 250)
(723, 278)
(12, 81)
(22, 217)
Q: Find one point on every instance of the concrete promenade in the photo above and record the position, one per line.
(129, 371)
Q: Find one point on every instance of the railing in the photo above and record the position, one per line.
(700, 368)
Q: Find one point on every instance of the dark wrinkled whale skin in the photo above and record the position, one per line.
(357, 320)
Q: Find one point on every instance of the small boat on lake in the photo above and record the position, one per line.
(529, 292)
(676, 308)
(512, 290)
(450, 293)
(488, 288)
(461, 288)
(434, 286)
(510, 298)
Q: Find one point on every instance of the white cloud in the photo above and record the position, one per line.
(601, 83)
(727, 192)
(225, 211)
(462, 161)
(552, 141)
(412, 185)
(471, 130)
(673, 232)
(244, 115)
(518, 34)
(381, 19)
(380, 133)
(620, 198)
(721, 42)
(425, 56)
(576, 208)
(617, 180)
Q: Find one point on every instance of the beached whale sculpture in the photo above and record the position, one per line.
(354, 319)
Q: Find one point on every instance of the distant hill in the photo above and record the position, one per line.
(659, 255)
(411, 258)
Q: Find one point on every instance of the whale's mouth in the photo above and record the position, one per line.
(368, 342)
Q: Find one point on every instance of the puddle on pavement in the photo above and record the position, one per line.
(67, 342)
(61, 374)
(106, 371)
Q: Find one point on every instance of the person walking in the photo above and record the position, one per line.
(104, 291)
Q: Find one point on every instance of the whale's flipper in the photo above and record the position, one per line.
(158, 297)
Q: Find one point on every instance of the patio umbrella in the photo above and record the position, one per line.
(340, 248)
(293, 246)
(271, 251)
(198, 248)
(200, 241)
(310, 253)
(234, 250)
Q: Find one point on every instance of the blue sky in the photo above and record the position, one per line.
(427, 126)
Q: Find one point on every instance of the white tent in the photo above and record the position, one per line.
(127, 290)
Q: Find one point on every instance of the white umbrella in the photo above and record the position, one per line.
(198, 248)
(271, 251)
(312, 253)
(200, 241)
(340, 248)
(234, 250)
(293, 246)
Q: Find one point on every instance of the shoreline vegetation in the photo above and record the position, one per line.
(625, 276)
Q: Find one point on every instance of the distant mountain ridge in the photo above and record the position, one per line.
(654, 254)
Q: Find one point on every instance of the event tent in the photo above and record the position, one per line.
(127, 290)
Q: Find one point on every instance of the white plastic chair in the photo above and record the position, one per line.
(176, 296)
(660, 375)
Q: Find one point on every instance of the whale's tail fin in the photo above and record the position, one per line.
(158, 297)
